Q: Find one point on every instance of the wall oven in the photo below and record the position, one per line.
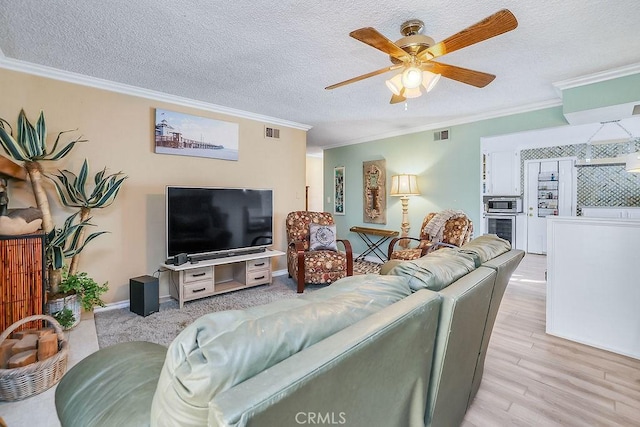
(504, 225)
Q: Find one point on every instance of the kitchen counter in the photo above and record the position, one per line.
(592, 282)
(625, 212)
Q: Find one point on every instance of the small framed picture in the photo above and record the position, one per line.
(338, 190)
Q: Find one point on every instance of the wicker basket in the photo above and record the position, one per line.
(72, 302)
(20, 383)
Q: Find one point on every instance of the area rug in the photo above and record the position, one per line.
(366, 267)
(121, 325)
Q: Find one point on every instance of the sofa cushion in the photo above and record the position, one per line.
(434, 271)
(222, 349)
(486, 247)
(111, 387)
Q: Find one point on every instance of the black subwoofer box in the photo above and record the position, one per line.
(144, 295)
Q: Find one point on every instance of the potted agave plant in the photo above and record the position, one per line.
(73, 193)
(29, 146)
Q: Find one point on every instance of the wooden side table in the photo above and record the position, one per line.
(373, 246)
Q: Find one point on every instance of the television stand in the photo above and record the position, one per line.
(206, 276)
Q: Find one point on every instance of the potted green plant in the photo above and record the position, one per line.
(79, 291)
(29, 146)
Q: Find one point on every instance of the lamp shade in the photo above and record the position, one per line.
(412, 92)
(429, 80)
(395, 84)
(404, 185)
(633, 162)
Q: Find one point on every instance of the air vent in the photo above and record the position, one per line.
(636, 110)
(441, 135)
(271, 133)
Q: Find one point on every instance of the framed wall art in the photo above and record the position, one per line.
(374, 178)
(338, 190)
(187, 135)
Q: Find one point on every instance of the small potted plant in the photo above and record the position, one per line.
(86, 290)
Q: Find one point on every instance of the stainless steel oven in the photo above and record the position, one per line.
(504, 225)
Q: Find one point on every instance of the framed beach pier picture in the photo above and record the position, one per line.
(187, 135)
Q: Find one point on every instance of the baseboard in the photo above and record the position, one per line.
(112, 306)
(163, 298)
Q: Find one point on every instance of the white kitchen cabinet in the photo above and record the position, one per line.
(611, 212)
(521, 231)
(501, 173)
(592, 282)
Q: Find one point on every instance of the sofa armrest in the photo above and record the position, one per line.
(395, 240)
(349, 252)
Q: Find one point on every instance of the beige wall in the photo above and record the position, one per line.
(120, 131)
(314, 182)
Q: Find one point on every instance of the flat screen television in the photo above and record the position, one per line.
(207, 222)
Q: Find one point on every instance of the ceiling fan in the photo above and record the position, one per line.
(415, 54)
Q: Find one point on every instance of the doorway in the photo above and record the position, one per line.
(550, 190)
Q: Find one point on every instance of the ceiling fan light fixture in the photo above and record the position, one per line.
(395, 84)
(429, 80)
(412, 92)
(412, 77)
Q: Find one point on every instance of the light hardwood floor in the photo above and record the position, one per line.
(535, 379)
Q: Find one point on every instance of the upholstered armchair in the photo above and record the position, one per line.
(450, 228)
(312, 252)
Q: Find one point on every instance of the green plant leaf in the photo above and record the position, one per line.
(62, 152)
(109, 196)
(41, 134)
(76, 250)
(65, 317)
(28, 137)
(11, 146)
(81, 180)
(55, 144)
(99, 176)
(62, 189)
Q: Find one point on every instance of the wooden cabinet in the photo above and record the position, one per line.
(22, 291)
(205, 278)
(501, 173)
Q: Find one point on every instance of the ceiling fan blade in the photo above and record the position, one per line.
(365, 76)
(373, 38)
(395, 99)
(494, 25)
(464, 75)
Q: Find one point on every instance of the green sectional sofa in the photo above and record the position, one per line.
(404, 348)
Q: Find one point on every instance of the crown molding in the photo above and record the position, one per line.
(602, 76)
(460, 121)
(80, 79)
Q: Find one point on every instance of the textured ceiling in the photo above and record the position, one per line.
(275, 58)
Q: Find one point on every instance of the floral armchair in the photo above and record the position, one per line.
(315, 266)
(456, 229)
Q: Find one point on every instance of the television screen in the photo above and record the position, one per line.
(204, 220)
